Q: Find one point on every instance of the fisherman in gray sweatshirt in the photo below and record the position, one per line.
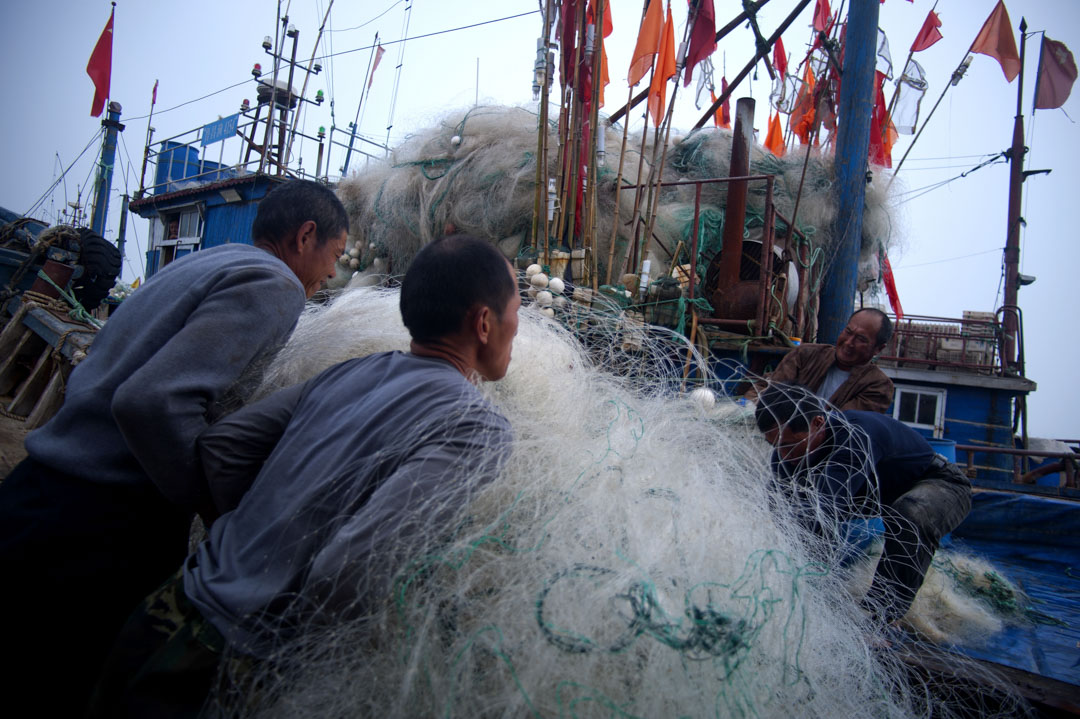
(98, 514)
(350, 474)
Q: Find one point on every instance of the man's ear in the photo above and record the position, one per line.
(306, 237)
(482, 323)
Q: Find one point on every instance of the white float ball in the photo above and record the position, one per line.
(539, 280)
(547, 312)
(704, 397)
(354, 252)
(455, 140)
(559, 302)
(556, 285)
(531, 292)
(354, 263)
(532, 270)
(543, 298)
(344, 259)
(378, 263)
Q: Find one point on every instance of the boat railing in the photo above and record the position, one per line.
(970, 344)
(1065, 463)
(183, 162)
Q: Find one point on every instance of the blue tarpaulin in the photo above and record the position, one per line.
(1035, 543)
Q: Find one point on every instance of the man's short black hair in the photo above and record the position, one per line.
(293, 203)
(446, 279)
(884, 333)
(785, 404)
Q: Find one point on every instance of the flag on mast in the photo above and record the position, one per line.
(774, 140)
(100, 66)
(1057, 73)
(153, 97)
(928, 34)
(665, 69)
(996, 40)
(702, 37)
(779, 58)
(375, 65)
(648, 40)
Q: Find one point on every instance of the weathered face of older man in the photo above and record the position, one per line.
(857, 344)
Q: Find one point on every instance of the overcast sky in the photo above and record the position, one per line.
(949, 238)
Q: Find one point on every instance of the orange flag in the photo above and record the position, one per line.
(774, 141)
(665, 69)
(648, 40)
(607, 28)
(802, 114)
(996, 40)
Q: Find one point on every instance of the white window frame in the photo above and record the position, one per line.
(938, 428)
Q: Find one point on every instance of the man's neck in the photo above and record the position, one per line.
(460, 359)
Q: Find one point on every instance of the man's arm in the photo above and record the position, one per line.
(785, 373)
(233, 450)
(161, 408)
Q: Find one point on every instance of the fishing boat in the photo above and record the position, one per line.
(706, 237)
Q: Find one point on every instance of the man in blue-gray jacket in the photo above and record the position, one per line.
(98, 514)
(834, 466)
(343, 480)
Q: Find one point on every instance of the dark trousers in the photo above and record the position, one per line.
(914, 525)
(76, 558)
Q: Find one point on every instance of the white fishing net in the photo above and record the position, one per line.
(627, 561)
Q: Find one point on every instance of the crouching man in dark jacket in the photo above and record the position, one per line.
(838, 465)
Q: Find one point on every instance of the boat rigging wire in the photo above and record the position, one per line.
(34, 207)
(345, 52)
(997, 159)
(357, 27)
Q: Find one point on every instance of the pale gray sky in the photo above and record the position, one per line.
(950, 237)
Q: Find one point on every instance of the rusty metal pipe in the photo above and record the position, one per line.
(735, 212)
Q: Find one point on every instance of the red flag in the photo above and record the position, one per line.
(648, 40)
(100, 66)
(725, 109)
(929, 34)
(774, 140)
(702, 37)
(779, 58)
(821, 15)
(375, 66)
(890, 286)
(665, 69)
(153, 98)
(1057, 73)
(996, 40)
(882, 133)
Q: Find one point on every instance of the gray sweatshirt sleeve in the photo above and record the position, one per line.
(408, 511)
(233, 450)
(161, 408)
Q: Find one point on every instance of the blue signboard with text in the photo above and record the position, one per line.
(222, 129)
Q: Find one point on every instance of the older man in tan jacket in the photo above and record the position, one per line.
(842, 373)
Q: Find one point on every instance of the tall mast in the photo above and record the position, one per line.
(103, 183)
(1012, 241)
(852, 143)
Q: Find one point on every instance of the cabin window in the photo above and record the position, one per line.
(174, 234)
(921, 407)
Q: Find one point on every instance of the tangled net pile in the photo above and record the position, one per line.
(475, 172)
(625, 563)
